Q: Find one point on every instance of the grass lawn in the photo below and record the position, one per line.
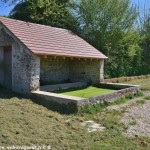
(144, 83)
(85, 92)
(23, 122)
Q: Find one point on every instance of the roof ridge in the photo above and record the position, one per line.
(33, 23)
(57, 41)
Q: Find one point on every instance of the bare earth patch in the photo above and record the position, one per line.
(130, 103)
(137, 119)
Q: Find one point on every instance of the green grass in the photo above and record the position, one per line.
(147, 97)
(85, 92)
(143, 83)
(140, 102)
(23, 122)
(92, 109)
(132, 123)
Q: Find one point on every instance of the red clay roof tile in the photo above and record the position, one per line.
(46, 40)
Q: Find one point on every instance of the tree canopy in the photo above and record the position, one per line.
(145, 31)
(49, 12)
(108, 26)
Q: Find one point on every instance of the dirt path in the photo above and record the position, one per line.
(137, 120)
(136, 117)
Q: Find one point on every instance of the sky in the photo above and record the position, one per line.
(4, 10)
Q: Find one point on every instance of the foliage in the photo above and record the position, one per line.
(21, 12)
(147, 97)
(108, 26)
(47, 12)
(145, 31)
(140, 102)
(92, 109)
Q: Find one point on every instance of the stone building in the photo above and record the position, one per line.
(33, 54)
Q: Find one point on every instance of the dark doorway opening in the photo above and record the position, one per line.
(8, 67)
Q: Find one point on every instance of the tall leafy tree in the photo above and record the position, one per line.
(145, 31)
(49, 12)
(108, 26)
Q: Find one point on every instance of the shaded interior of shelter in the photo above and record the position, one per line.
(57, 70)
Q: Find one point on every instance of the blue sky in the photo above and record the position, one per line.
(4, 10)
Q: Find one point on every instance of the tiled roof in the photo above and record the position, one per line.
(46, 40)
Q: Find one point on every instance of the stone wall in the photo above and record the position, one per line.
(25, 65)
(71, 104)
(86, 70)
(5, 39)
(110, 97)
(54, 69)
(101, 70)
(26, 69)
(74, 70)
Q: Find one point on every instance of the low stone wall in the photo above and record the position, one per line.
(108, 97)
(57, 102)
(115, 85)
(70, 104)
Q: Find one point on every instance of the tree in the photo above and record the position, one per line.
(108, 26)
(143, 21)
(21, 12)
(48, 12)
(146, 43)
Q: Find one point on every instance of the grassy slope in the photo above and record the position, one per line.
(24, 123)
(86, 92)
(144, 83)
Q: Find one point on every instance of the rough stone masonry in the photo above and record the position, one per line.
(25, 65)
(74, 70)
(28, 70)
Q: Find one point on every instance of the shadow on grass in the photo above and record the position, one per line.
(6, 94)
(81, 88)
(70, 108)
(70, 89)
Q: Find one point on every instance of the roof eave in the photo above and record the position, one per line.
(70, 56)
